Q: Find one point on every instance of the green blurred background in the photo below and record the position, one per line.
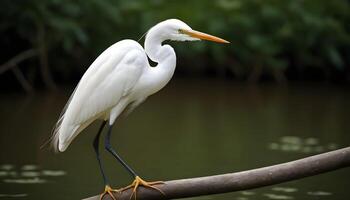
(278, 92)
(271, 40)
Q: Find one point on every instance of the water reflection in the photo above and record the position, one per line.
(284, 192)
(301, 145)
(28, 174)
(278, 196)
(242, 198)
(248, 193)
(29, 167)
(319, 193)
(53, 172)
(285, 189)
(13, 195)
(6, 167)
(4, 173)
(34, 180)
(191, 128)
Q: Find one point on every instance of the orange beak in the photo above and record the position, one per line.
(204, 36)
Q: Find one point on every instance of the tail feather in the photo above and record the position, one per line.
(64, 133)
(54, 138)
(55, 134)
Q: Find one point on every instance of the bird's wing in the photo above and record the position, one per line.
(107, 86)
(112, 76)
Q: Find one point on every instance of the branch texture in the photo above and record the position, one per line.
(244, 180)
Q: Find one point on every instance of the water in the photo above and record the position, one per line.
(191, 128)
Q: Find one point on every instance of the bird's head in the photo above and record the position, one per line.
(177, 30)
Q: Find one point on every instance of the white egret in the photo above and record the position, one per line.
(117, 81)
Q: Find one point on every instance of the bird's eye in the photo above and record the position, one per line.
(181, 31)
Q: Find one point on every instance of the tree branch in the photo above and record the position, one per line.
(22, 80)
(244, 180)
(43, 56)
(17, 59)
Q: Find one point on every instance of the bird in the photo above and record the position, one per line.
(119, 80)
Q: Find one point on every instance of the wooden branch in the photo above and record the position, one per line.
(22, 80)
(17, 59)
(13, 65)
(244, 180)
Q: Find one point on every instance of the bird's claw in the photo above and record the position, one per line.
(139, 182)
(109, 191)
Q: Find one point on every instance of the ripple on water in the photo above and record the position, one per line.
(277, 196)
(6, 167)
(4, 173)
(35, 180)
(248, 193)
(290, 147)
(241, 198)
(319, 193)
(200, 198)
(284, 189)
(311, 141)
(13, 195)
(332, 146)
(301, 145)
(30, 174)
(29, 167)
(53, 173)
(27, 174)
(291, 140)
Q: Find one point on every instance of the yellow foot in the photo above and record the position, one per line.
(139, 182)
(109, 191)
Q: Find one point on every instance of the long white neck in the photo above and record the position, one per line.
(164, 55)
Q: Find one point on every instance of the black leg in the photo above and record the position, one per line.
(97, 151)
(114, 153)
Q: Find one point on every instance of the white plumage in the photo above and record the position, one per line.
(117, 81)
(121, 78)
(111, 77)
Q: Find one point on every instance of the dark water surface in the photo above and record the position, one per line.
(191, 128)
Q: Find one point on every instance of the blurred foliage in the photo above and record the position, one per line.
(269, 37)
